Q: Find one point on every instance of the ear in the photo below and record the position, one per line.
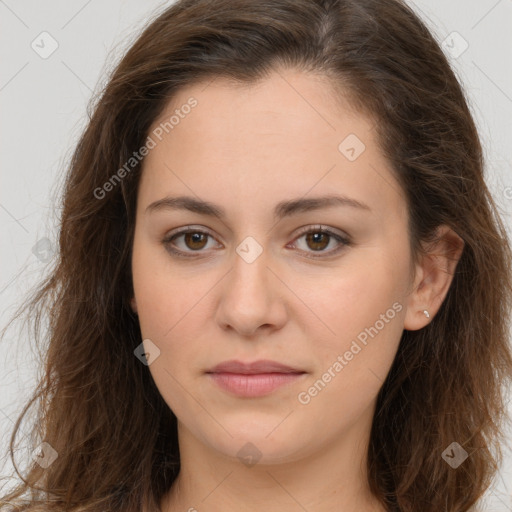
(133, 304)
(434, 275)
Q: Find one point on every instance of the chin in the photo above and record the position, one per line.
(261, 443)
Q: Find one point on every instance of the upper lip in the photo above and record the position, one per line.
(260, 366)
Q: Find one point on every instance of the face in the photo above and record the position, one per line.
(318, 286)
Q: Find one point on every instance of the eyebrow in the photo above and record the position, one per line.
(281, 210)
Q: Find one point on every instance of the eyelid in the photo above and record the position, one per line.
(342, 238)
(323, 229)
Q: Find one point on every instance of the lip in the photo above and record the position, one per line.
(252, 368)
(255, 379)
(253, 385)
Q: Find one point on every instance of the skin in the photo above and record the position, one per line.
(246, 149)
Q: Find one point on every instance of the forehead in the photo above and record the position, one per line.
(281, 136)
(288, 104)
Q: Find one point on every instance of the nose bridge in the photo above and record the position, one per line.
(250, 272)
(249, 298)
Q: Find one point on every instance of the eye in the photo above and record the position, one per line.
(194, 239)
(317, 238)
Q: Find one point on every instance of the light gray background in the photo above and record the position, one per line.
(43, 110)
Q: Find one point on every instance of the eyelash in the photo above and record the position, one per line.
(345, 241)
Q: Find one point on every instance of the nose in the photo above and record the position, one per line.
(251, 297)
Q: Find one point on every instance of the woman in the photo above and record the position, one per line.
(282, 282)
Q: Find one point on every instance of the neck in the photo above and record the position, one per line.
(333, 478)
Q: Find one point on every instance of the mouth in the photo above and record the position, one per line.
(256, 367)
(255, 379)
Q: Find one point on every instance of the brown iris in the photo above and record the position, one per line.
(192, 239)
(316, 238)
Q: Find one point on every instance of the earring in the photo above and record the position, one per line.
(426, 313)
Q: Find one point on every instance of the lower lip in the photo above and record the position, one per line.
(254, 385)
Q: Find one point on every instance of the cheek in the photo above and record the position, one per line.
(174, 321)
(352, 362)
(362, 322)
(165, 294)
(169, 312)
(345, 305)
(173, 307)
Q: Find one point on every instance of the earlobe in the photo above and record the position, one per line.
(417, 319)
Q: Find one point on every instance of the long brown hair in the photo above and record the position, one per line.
(98, 407)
